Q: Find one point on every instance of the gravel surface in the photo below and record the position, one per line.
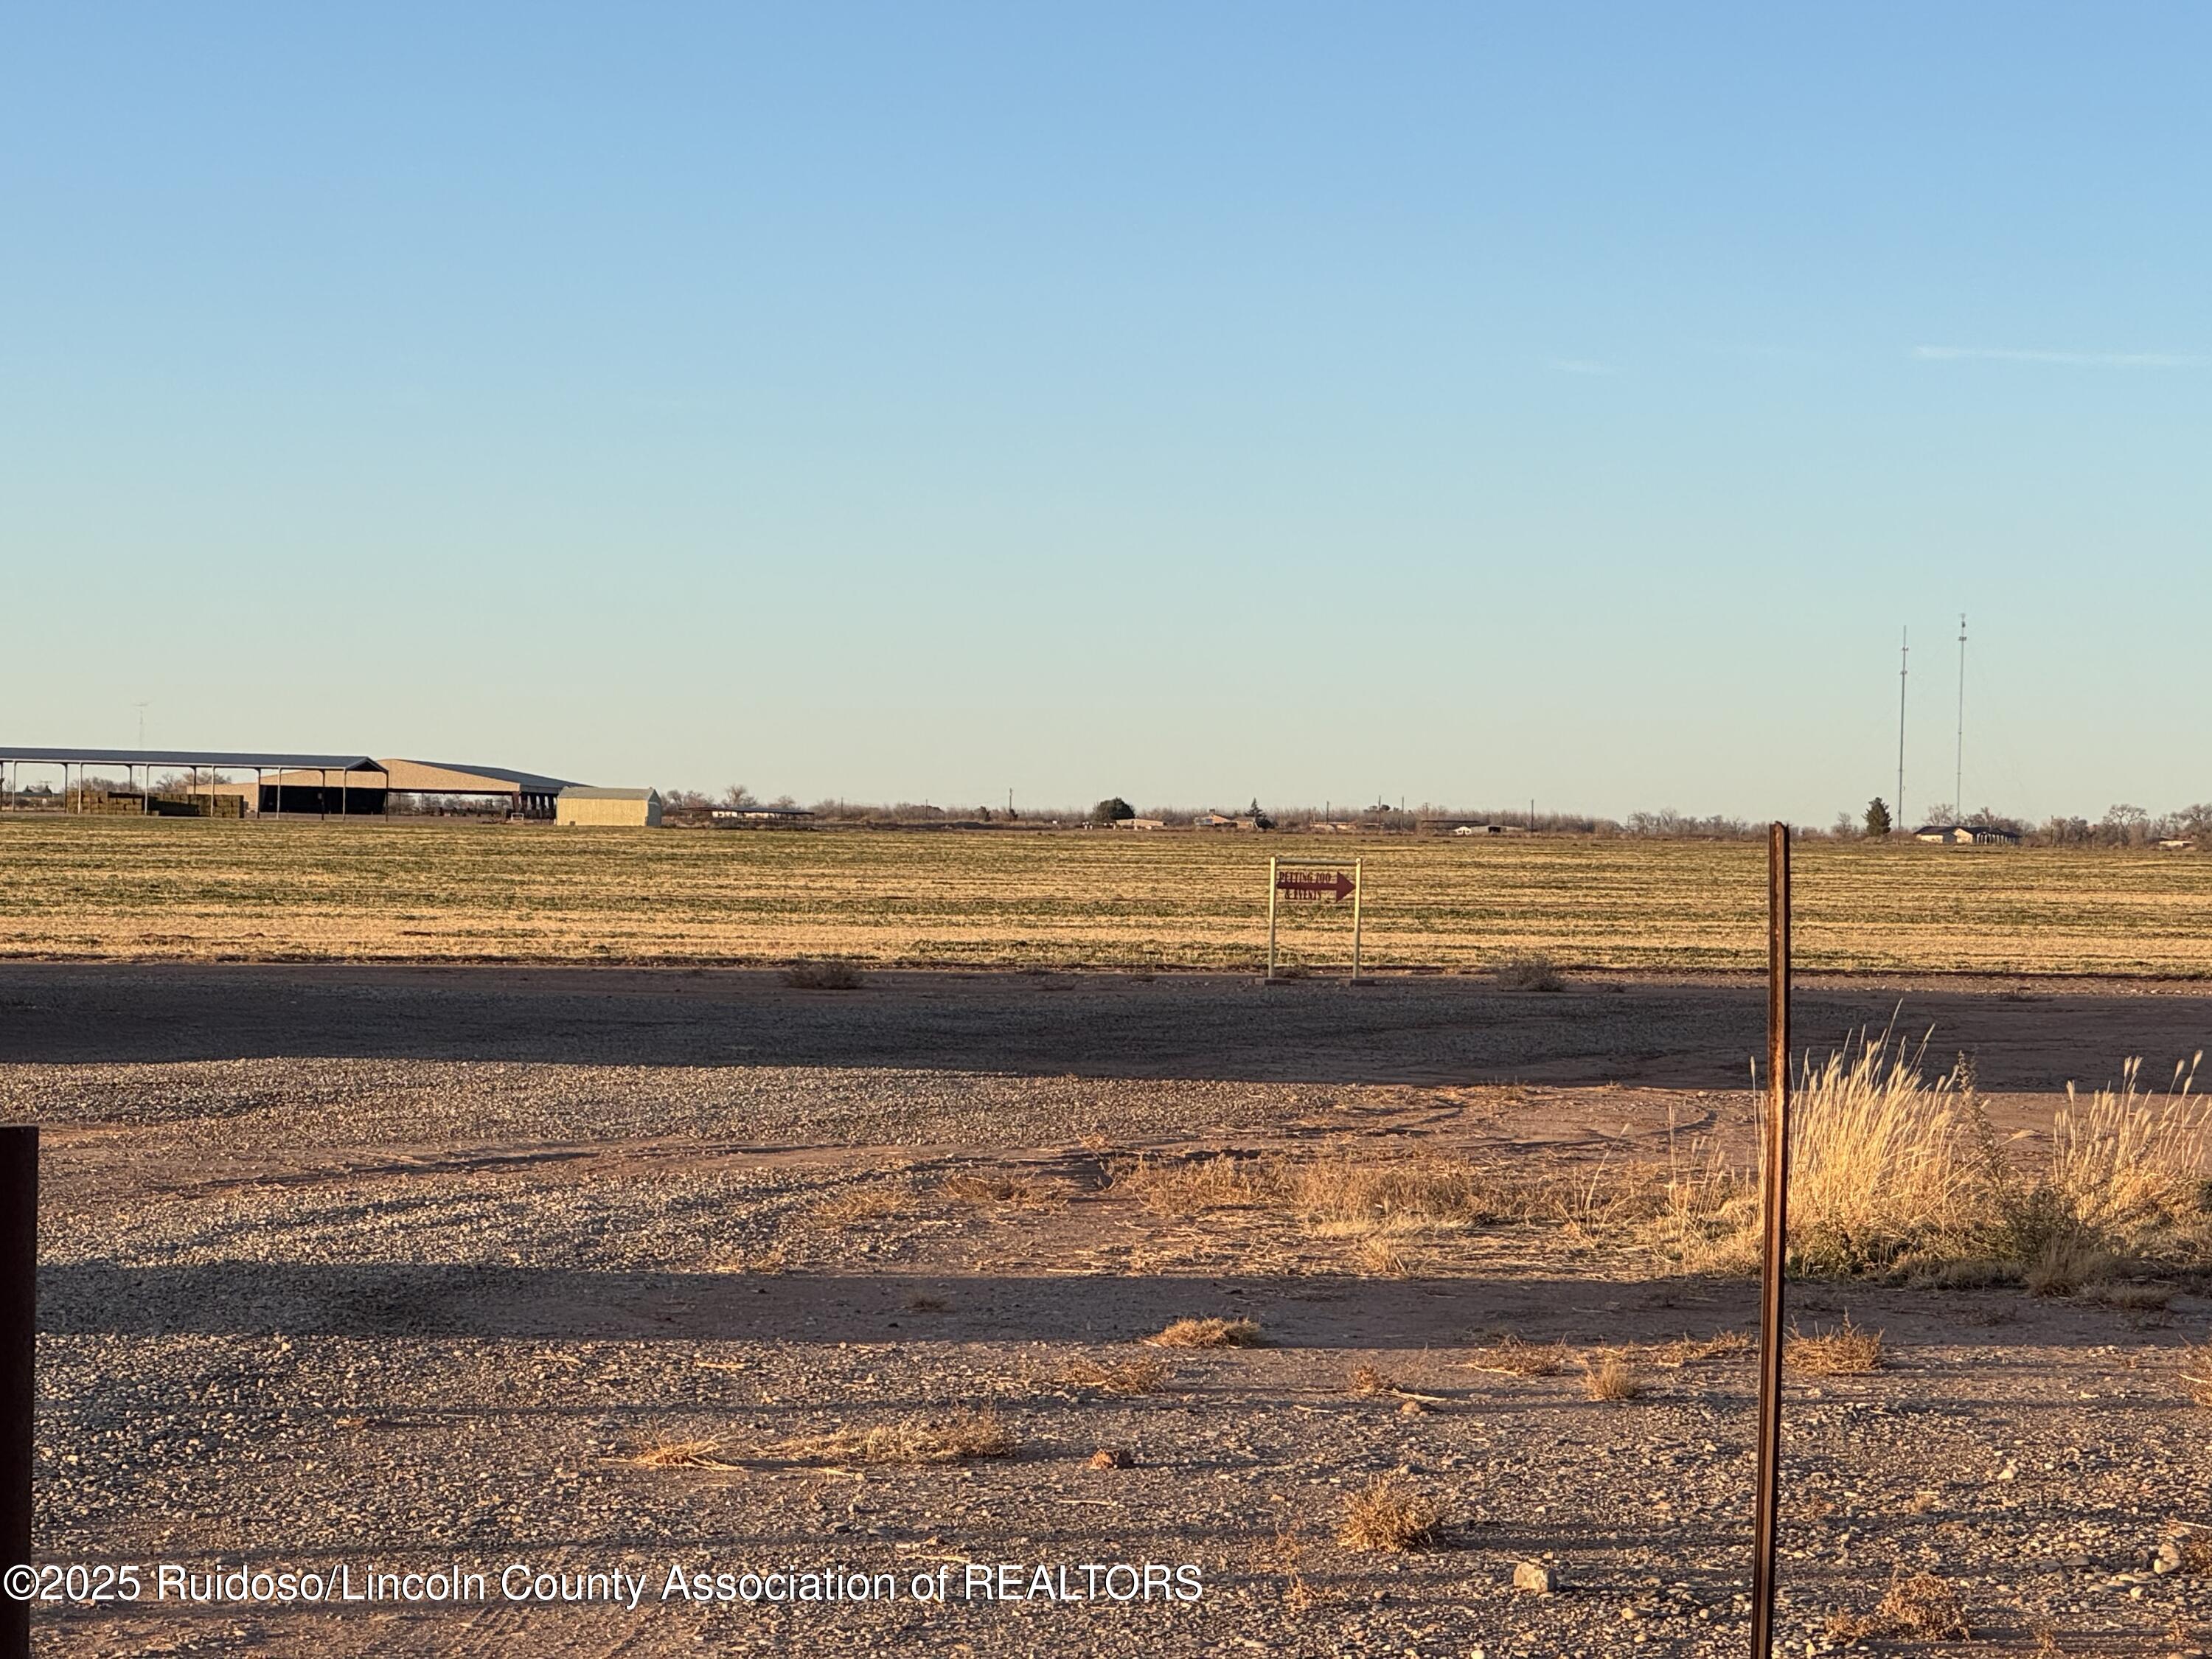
(309, 1311)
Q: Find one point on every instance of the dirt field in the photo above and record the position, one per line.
(186, 889)
(397, 1268)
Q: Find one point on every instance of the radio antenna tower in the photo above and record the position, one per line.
(1903, 661)
(1959, 776)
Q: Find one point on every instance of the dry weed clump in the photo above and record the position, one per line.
(1209, 1334)
(1847, 1351)
(986, 1191)
(1924, 1609)
(956, 1439)
(1615, 1376)
(1122, 1380)
(829, 975)
(685, 1455)
(1388, 1515)
(1366, 1382)
(2069, 1265)
(855, 1205)
(1694, 1350)
(1512, 1356)
(1529, 973)
(1899, 1175)
(2196, 1373)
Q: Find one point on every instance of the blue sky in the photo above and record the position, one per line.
(1186, 402)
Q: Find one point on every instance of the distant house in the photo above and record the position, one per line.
(635, 808)
(1222, 821)
(1966, 834)
(1140, 824)
(2176, 844)
(1491, 830)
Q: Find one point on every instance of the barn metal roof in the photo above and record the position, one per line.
(534, 783)
(210, 758)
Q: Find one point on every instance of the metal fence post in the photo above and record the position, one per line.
(1358, 892)
(1272, 873)
(1776, 1208)
(19, 1305)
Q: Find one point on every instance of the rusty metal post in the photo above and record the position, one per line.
(19, 1307)
(1776, 1209)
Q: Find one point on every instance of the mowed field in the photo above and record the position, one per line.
(298, 891)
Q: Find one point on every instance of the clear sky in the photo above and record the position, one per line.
(1189, 402)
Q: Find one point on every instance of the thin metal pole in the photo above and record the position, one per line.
(19, 1309)
(1776, 1212)
(1358, 892)
(1903, 661)
(1271, 918)
(1959, 763)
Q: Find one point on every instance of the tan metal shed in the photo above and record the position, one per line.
(635, 808)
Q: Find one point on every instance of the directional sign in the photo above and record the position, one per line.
(1314, 881)
(1314, 884)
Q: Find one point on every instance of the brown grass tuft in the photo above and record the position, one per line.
(1209, 1334)
(2196, 1373)
(1530, 973)
(2069, 1265)
(1847, 1351)
(1388, 1515)
(1366, 1382)
(855, 1204)
(1123, 1380)
(1924, 1609)
(1511, 1356)
(685, 1455)
(986, 1191)
(1614, 1378)
(822, 976)
(944, 1440)
(1379, 1253)
(1691, 1350)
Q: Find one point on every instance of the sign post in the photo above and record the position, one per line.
(1776, 1208)
(1314, 881)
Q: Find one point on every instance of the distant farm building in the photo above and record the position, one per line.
(522, 794)
(637, 809)
(730, 816)
(1140, 824)
(207, 783)
(1966, 834)
(1490, 830)
(1222, 821)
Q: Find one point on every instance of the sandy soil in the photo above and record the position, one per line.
(387, 1269)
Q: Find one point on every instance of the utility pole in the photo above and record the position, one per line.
(1903, 661)
(1959, 775)
(141, 707)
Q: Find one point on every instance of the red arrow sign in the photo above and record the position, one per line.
(1332, 884)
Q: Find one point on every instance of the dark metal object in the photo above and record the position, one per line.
(1776, 1209)
(19, 1302)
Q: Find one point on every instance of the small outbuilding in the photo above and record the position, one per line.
(634, 809)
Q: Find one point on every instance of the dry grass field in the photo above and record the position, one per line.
(182, 888)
